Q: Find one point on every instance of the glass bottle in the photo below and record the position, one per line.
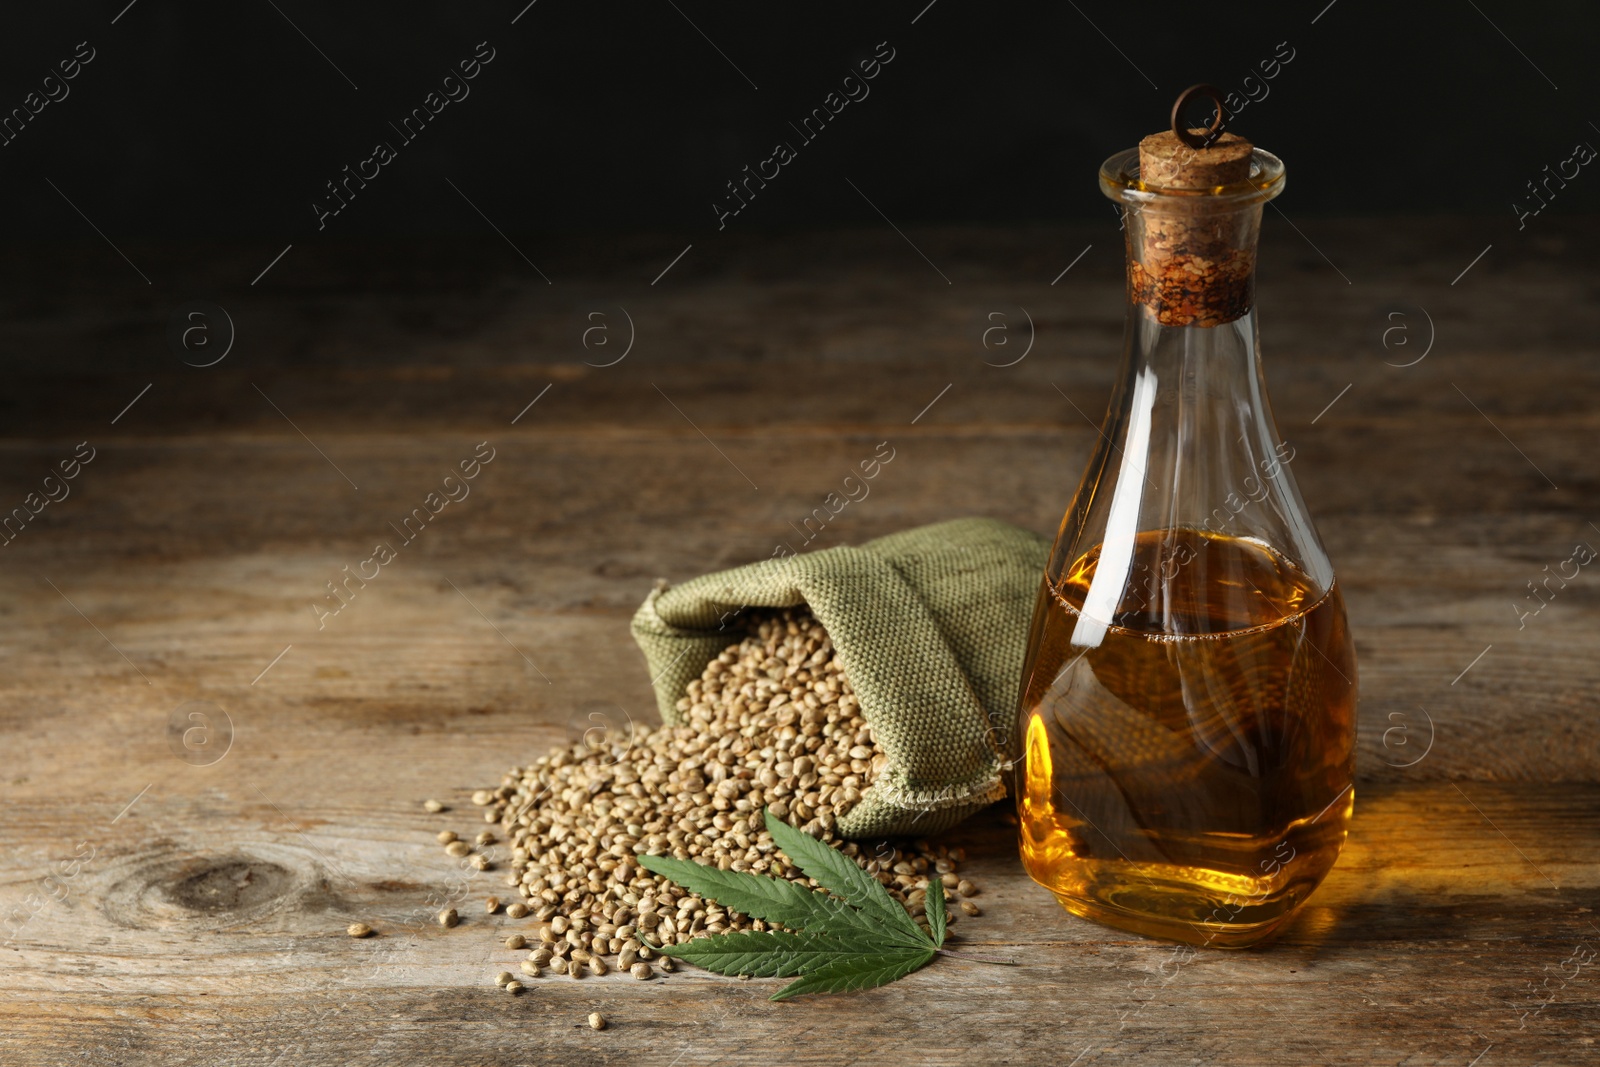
(1184, 752)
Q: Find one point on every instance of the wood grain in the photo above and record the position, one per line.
(208, 927)
(204, 924)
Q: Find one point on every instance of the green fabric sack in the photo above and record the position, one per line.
(930, 625)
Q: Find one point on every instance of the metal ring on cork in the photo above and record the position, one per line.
(1218, 125)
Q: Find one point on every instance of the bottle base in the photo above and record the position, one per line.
(1165, 927)
(1194, 905)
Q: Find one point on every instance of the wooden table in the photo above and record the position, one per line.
(187, 905)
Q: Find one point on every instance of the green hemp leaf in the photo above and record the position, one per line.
(854, 936)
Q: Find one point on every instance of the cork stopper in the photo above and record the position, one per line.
(1166, 162)
(1189, 262)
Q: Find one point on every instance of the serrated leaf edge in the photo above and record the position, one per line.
(805, 908)
(828, 979)
(802, 949)
(840, 875)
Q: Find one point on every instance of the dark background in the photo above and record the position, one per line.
(205, 120)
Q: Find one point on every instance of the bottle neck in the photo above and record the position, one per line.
(1191, 251)
(1191, 260)
(1189, 456)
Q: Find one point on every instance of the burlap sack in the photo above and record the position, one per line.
(930, 626)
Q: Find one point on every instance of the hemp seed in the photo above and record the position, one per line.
(772, 722)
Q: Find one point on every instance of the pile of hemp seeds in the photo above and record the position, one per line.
(772, 723)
